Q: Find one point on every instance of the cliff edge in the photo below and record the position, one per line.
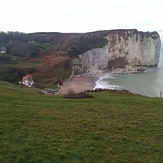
(127, 47)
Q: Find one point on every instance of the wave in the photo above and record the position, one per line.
(102, 84)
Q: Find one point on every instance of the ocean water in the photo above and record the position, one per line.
(149, 84)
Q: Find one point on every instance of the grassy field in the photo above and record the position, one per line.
(23, 64)
(110, 127)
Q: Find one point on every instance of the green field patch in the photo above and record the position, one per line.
(107, 128)
(20, 64)
(24, 64)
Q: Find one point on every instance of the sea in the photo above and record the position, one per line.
(148, 84)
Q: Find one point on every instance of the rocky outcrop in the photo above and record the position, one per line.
(124, 48)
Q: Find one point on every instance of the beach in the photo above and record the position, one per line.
(78, 84)
(148, 84)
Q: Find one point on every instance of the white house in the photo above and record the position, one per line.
(3, 50)
(28, 80)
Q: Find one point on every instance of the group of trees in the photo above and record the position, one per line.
(25, 45)
(29, 45)
(11, 74)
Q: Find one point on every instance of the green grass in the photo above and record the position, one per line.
(24, 64)
(107, 128)
(50, 85)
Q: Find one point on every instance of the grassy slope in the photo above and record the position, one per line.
(20, 64)
(107, 128)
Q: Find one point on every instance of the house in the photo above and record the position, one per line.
(27, 80)
(3, 50)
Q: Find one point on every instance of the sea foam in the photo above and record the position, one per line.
(102, 84)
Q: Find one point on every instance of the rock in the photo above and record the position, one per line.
(124, 48)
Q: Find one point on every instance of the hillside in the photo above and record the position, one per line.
(49, 53)
(31, 45)
(107, 128)
(55, 56)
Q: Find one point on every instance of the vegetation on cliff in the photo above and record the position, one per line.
(30, 45)
(51, 51)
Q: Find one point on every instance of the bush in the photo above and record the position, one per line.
(72, 95)
(5, 58)
(11, 74)
(112, 91)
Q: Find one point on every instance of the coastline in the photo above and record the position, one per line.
(81, 83)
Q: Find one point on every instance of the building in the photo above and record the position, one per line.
(3, 50)
(27, 80)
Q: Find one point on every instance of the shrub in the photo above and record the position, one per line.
(110, 90)
(73, 95)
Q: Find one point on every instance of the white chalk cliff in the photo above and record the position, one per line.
(124, 48)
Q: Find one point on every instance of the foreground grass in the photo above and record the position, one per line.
(107, 128)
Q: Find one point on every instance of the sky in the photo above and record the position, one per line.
(80, 15)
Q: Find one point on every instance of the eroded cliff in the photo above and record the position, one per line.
(124, 48)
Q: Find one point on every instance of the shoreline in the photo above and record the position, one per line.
(81, 83)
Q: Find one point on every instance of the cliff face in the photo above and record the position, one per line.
(124, 48)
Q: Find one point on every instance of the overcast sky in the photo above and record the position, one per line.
(80, 15)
